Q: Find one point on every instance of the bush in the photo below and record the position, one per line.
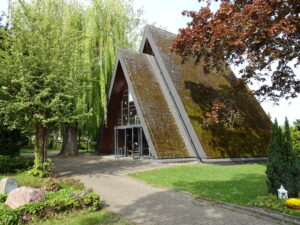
(10, 142)
(13, 164)
(67, 199)
(283, 166)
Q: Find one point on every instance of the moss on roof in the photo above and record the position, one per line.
(159, 119)
(197, 88)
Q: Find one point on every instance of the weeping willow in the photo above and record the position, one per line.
(110, 24)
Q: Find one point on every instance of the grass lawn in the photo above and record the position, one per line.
(236, 184)
(25, 180)
(30, 150)
(85, 218)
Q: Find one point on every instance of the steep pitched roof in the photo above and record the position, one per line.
(154, 110)
(193, 89)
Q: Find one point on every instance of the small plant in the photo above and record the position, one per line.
(52, 184)
(42, 170)
(3, 197)
(73, 182)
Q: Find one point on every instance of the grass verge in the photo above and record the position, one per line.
(237, 184)
(25, 180)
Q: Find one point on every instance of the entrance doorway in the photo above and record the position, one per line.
(130, 141)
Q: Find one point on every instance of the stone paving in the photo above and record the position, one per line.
(143, 203)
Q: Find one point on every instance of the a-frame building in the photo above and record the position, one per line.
(157, 106)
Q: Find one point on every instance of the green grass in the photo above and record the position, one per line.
(85, 218)
(238, 184)
(30, 150)
(24, 179)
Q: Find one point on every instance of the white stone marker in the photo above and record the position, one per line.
(7, 185)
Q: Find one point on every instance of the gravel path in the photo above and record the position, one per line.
(143, 203)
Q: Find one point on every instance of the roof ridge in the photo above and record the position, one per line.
(157, 28)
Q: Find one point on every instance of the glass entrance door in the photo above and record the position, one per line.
(131, 142)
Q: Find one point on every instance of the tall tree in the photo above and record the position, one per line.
(262, 34)
(295, 133)
(283, 166)
(39, 69)
(111, 24)
(108, 25)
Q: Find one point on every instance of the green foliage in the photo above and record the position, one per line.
(110, 25)
(66, 199)
(295, 133)
(52, 184)
(3, 197)
(72, 182)
(283, 166)
(273, 203)
(10, 141)
(56, 62)
(13, 164)
(9, 216)
(42, 169)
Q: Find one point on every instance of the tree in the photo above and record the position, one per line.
(39, 69)
(264, 35)
(58, 57)
(108, 25)
(295, 133)
(283, 166)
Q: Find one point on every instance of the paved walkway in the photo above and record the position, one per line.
(143, 203)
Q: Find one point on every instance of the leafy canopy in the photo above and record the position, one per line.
(264, 35)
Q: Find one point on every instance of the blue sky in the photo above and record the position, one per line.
(167, 14)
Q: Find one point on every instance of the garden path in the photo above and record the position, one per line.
(144, 203)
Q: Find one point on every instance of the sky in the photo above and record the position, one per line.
(166, 14)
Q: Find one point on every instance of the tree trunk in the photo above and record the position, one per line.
(69, 145)
(40, 145)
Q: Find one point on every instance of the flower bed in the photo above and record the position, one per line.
(69, 198)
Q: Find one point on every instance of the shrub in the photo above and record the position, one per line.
(283, 166)
(13, 164)
(10, 141)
